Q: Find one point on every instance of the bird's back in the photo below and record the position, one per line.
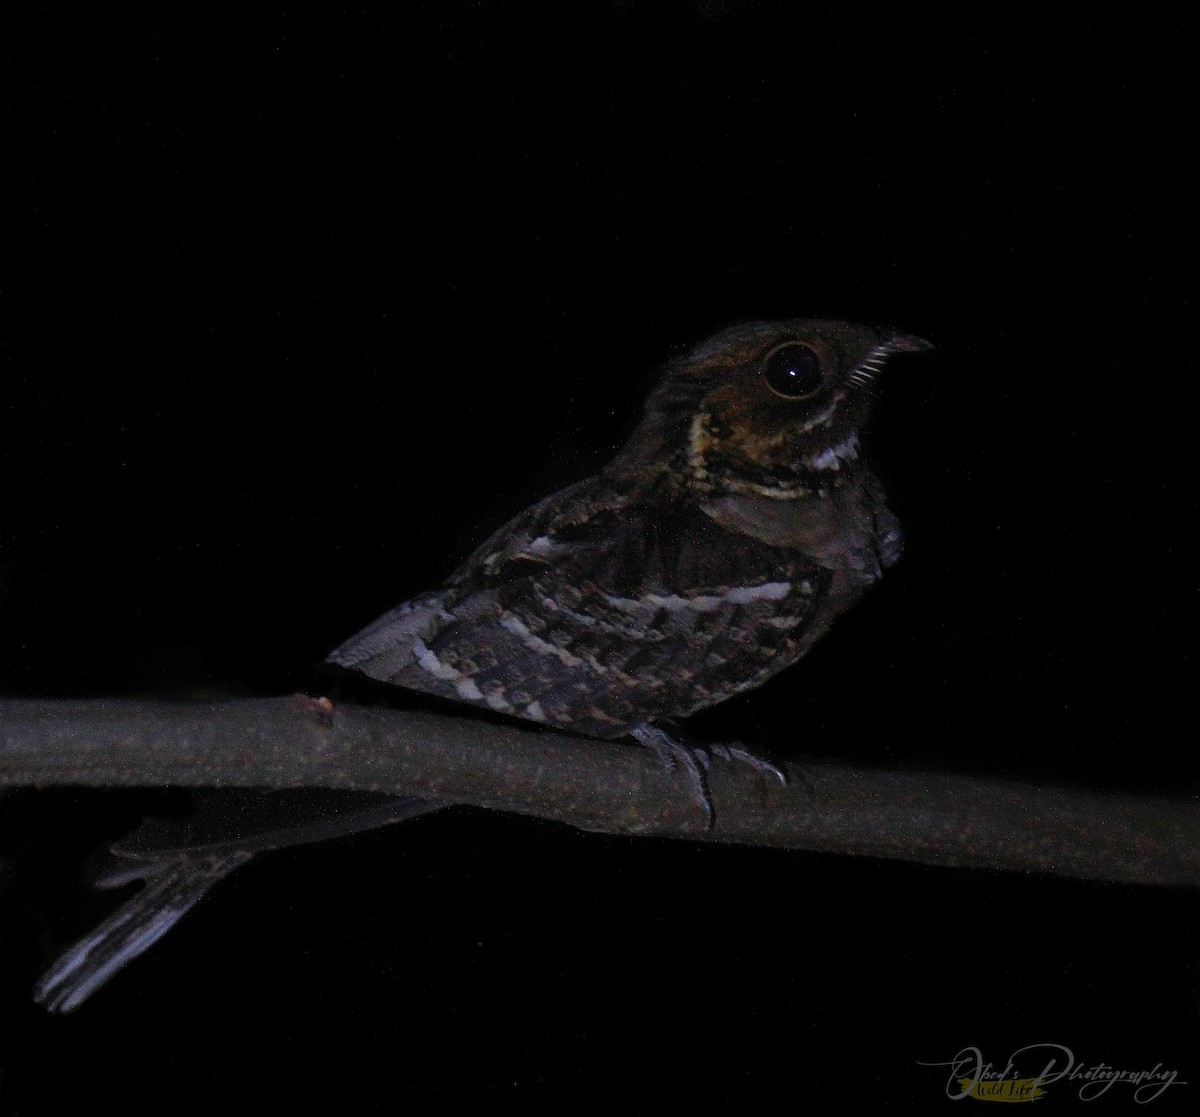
(596, 614)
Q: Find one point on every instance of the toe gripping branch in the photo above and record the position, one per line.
(695, 762)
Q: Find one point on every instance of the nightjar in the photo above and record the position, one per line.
(708, 555)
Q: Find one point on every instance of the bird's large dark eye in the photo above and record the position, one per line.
(793, 370)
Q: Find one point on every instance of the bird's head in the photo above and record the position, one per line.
(773, 408)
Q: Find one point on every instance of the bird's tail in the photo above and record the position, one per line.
(171, 889)
(176, 877)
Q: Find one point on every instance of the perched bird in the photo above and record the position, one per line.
(709, 555)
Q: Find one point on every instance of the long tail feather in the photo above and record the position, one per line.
(172, 889)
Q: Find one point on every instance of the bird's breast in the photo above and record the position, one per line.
(835, 530)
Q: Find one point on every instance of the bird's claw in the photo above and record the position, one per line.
(736, 753)
(697, 761)
(675, 756)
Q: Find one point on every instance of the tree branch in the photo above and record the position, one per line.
(938, 818)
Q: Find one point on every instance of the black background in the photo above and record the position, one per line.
(299, 307)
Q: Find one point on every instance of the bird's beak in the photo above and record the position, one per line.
(907, 343)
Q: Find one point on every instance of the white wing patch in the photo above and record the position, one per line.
(464, 687)
(704, 603)
(520, 630)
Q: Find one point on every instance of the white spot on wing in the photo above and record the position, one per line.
(514, 625)
(768, 591)
(430, 662)
(544, 547)
(463, 686)
(705, 603)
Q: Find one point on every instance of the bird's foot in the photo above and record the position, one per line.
(736, 753)
(675, 756)
(697, 761)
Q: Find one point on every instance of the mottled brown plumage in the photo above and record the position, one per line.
(707, 556)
